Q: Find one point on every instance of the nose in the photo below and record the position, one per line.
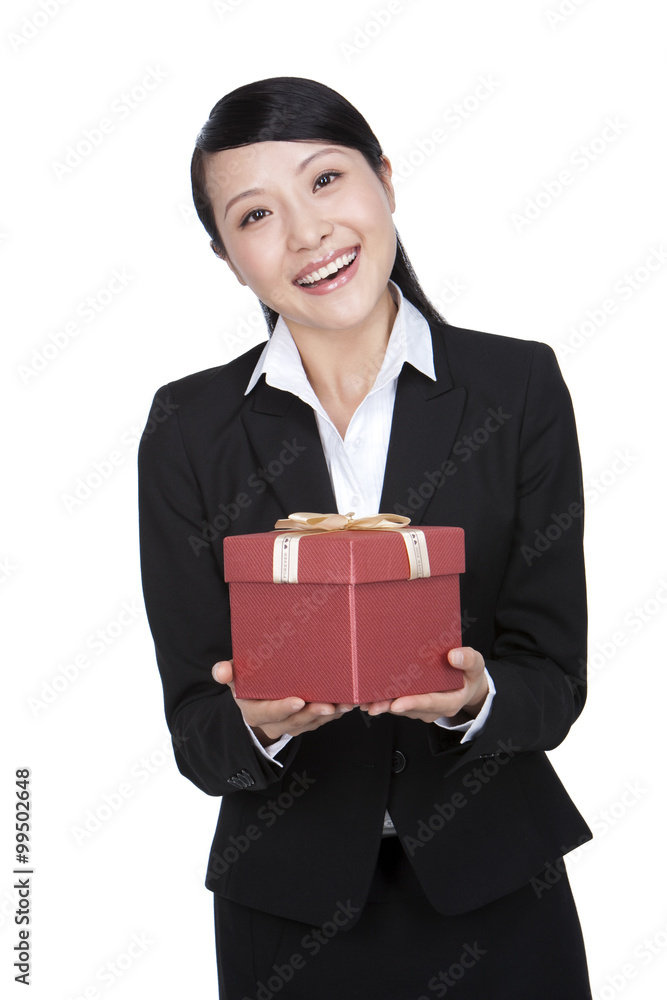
(307, 228)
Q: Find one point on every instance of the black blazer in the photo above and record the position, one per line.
(490, 446)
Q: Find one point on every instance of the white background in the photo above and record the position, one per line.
(69, 568)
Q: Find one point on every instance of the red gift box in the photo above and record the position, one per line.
(354, 628)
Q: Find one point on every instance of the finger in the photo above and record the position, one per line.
(316, 714)
(312, 717)
(223, 671)
(466, 658)
(317, 709)
(274, 711)
(411, 703)
(437, 703)
(378, 707)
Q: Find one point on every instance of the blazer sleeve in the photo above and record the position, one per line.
(538, 658)
(187, 605)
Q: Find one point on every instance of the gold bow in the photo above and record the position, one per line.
(286, 546)
(307, 521)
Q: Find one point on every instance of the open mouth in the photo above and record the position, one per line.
(332, 270)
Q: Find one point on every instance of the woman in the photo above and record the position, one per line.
(399, 849)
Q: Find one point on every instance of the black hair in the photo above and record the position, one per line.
(288, 109)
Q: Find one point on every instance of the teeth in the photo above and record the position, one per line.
(330, 268)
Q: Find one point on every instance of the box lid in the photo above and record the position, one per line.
(344, 556)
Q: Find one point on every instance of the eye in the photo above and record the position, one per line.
(326, 177)
(256, 215)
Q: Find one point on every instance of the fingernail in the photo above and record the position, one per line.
(457, 658)
(214, 671)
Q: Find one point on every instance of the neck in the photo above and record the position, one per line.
(342, 365)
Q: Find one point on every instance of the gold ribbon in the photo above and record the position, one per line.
(303, 523)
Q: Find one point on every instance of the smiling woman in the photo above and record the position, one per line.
(306, 210)
(289, 110)
(397, 848)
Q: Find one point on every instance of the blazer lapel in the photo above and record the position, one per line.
(427, 416)
(290, 446)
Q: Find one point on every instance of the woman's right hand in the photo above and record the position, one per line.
(269, 720)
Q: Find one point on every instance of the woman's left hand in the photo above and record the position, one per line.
(429, 707)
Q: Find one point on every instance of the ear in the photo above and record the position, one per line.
(223, 256)
(385, 177)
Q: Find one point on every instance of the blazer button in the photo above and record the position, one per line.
(398, 762)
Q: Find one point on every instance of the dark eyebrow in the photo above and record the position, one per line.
(299, 170)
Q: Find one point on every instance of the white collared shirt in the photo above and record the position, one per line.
(356, 463)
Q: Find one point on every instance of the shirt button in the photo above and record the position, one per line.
(355, 500)
(358, 443)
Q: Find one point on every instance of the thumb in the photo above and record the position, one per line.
(223, 671)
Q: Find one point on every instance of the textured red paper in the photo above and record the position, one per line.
(355, 628)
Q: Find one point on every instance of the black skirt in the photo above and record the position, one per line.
(526, 946)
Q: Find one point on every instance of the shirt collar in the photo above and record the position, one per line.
(410, 340)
